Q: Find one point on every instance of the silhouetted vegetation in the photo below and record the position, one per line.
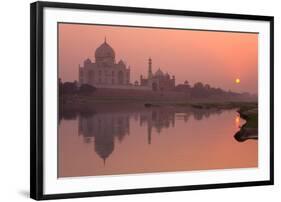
(68, 88)
(73, 88)
(73, 93)
(86, 89)
(200, 90)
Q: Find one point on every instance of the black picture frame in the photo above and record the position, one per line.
(37, 99)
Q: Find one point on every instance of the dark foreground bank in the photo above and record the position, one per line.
(250, 129)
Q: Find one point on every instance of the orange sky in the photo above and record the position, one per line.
(216, 58)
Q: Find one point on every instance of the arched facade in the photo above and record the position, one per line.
(104, 71)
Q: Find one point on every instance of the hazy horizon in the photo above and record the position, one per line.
(215, 58)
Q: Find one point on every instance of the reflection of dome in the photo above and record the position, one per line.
(159, 73)
(104, 146)
(104, 51)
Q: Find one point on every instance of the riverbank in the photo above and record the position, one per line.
(200, 103)
(250, 129)
(69, 105)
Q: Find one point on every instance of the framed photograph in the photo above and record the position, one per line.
(131, 100)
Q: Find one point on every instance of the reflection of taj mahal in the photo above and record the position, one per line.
(106, 124)
(106, 73)
(104, 128)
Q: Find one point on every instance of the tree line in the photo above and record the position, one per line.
(200, 90)
(74, 88)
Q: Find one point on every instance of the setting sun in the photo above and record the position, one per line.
(237, 80)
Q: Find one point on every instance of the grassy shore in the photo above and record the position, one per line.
(250, 129)
(251, 117)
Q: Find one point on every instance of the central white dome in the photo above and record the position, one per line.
(104, 51)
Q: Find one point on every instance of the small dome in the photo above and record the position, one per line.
(87, 61)
(121, 62)
(104, 51)
(159, 73)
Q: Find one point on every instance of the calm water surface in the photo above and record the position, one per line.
(126, 138)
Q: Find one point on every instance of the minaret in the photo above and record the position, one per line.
(149, 68)
(149, 130)
(80, 75)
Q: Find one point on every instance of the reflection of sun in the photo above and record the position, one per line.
(237, 121)
(237, 80)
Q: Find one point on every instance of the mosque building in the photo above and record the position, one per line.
(157, 81)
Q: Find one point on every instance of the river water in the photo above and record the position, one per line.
(130, 138)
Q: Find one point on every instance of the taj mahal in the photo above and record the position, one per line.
(105, 72)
